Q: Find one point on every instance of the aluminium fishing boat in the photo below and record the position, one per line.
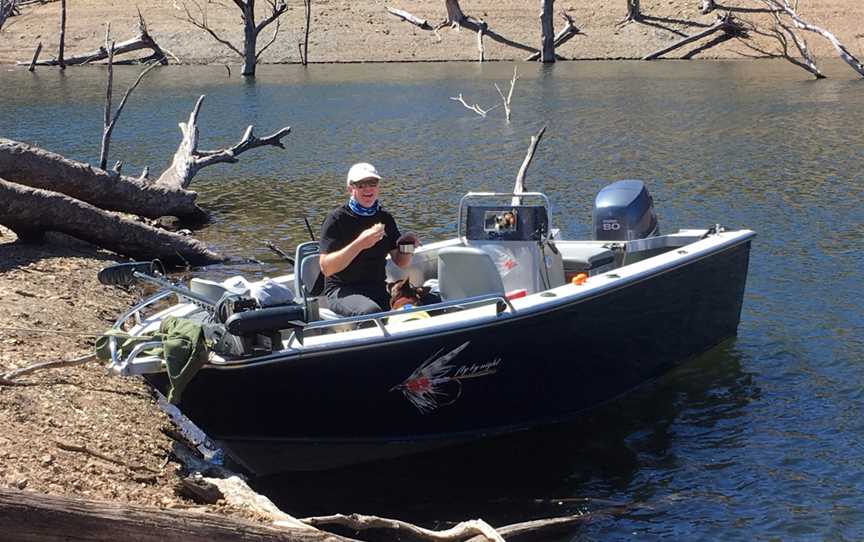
(532, 329)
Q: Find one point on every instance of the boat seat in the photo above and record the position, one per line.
(467, 272)
(307, 272)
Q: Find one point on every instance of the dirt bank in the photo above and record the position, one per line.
(51, 307)
(361, 30)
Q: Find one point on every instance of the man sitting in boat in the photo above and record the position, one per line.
(355, 241)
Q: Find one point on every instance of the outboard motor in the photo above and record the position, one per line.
(624, 211)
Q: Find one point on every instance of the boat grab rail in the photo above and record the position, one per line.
(378, 318)
(479, 195)
(121, 366)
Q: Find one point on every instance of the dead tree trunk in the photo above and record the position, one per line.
(35, 517)
(547, 32)
(60, 53)
(188, 160)
(307, 5)
(30, 212)
(38, 168)
(570, 29)
(251, 30)
(634, 12)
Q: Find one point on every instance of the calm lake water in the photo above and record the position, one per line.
(760, 439)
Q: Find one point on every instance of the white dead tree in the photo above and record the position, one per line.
(509, 96)
(781, 34)
(798, 22)
(250, 52)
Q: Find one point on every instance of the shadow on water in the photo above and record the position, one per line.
(546, 472)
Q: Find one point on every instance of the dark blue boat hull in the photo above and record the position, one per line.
(398, 397)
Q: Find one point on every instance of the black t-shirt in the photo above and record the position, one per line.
(366, 271)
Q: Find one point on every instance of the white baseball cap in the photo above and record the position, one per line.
(361, 171)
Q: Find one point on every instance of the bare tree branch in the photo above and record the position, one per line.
(509, 97)
(188, 160)
(519, 186)
(203, 25)
(841, 49)
(475, 108)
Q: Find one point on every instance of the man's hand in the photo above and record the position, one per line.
(370, 236)
(408, 238)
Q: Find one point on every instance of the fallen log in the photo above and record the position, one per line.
(31, 212)
(38, 168)
(725, 23)
(140, 42)
(34, 517)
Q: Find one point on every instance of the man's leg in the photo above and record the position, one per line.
(351, 303)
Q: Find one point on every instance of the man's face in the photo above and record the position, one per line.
(365, 191)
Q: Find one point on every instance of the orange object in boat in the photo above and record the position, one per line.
(579, 279)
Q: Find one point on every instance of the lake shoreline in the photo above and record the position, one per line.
(364, 32)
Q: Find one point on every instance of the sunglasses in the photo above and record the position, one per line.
(366, 183)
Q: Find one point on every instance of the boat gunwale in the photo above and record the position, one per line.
(550, 305)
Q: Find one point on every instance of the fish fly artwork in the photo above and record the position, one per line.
(437, 382)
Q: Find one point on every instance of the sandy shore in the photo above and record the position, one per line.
(362, 30)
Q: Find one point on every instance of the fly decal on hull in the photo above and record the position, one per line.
(437, 382)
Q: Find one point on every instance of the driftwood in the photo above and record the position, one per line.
(724, 23)
(30, 212)
(38, 168)
(456, 533)
(144, 41)
(188, 160)
(34, 517)
(11, 376)
(519, 185)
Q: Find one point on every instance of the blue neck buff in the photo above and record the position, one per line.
(359, 210)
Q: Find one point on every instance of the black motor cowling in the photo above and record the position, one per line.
(623, 211)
